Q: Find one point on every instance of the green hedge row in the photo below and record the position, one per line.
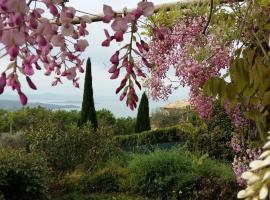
(178, 133)
(216, 142)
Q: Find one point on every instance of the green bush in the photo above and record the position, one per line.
(109, 179)
(69, 147)
(68, 182)
(105, 118)
(23, 175)
(216, 143)
(124, 126)
(101, 149)
(176, 174)
(172, 134)
(15, 141)
(64, 148)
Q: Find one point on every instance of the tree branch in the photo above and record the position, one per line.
(210, 16)
(183, 4)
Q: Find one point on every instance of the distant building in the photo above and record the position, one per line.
(180, 104)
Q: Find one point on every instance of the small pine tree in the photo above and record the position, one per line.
(143, 120)
(88, 112)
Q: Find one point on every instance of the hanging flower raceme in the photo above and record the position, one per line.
(243, 156)
(194, 57)
(258, 177)
(124, 59)
(32, 41)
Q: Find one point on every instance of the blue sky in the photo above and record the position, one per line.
(100, 56)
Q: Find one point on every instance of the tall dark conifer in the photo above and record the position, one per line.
(143, 120)
(88, 112)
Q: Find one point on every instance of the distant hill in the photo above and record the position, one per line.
(14, 105)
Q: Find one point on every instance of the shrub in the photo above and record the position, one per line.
(176, 174)
(67, 148)
(23, 175)
(171, 117)
(108, 179)
(124, 126)
(216, 143)
(105, 118)
(68, 182)
(15, 141)
(101, 149)
(173, 134)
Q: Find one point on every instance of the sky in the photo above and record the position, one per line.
(99, 55)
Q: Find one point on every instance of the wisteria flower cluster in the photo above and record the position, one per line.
(32, 42)
(194, 56)
(243, 156)
(124, 59)
(235, 114)
(258, 176)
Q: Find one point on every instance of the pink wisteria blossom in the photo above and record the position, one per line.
(32, 41)
(194, 57)
(243, 156)
(124, 58)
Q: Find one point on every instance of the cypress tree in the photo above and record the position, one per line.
(143, 120)
(88, 112)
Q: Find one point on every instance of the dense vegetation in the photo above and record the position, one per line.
(220, 51)
(177, 162)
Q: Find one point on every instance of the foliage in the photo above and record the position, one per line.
(172, 134)
(25, 118)
(23, 175)
(64, 118)
(101, 149)
(124, 126)
(70, 181)
(64, 148)
(88, 112)
(178, 175)
(215, 143)
(105, 118)
(143, 120)
(172, 117)
(14, 141)
(106, 180)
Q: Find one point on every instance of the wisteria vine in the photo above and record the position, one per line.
(33, 41)
(125, 58)
(194, 56)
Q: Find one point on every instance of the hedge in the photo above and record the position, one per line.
(23, 176)
(178, 133)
